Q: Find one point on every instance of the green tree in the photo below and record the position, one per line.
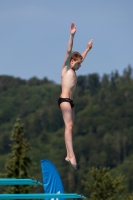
(93, 83)
(19, 160)
(103, 186)
(129, 197)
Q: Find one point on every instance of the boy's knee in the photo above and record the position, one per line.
(69, 126)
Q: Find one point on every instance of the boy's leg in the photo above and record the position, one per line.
(68, 117)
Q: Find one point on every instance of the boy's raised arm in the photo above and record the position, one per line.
(70, 44)
(89, 46)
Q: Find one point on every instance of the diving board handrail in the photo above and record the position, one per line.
(19, 181)
(40, 196)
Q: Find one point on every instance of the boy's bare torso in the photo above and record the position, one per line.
(69, 81)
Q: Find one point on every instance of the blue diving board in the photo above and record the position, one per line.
(17, 181)
(39, 196)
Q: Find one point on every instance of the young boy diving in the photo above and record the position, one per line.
(71, 63)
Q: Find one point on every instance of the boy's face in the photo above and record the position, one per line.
(76, 64)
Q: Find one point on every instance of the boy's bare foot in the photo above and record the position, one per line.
(72, 161)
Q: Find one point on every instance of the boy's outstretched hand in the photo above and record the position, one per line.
(72, 29)
(89, 45)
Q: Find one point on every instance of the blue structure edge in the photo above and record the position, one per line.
(17, 181)
(39, 196)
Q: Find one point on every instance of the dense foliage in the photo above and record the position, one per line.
(103, 132)
(103, 186)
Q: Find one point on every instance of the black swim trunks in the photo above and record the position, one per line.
(60, 100)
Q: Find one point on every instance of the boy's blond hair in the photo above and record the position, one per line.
(76, 56)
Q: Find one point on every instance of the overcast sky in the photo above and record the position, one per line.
(34, 36)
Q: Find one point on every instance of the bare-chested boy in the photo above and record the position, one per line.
(72, 63)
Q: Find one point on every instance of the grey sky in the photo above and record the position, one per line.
(34, 36)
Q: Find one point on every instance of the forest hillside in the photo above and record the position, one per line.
(103, 130)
